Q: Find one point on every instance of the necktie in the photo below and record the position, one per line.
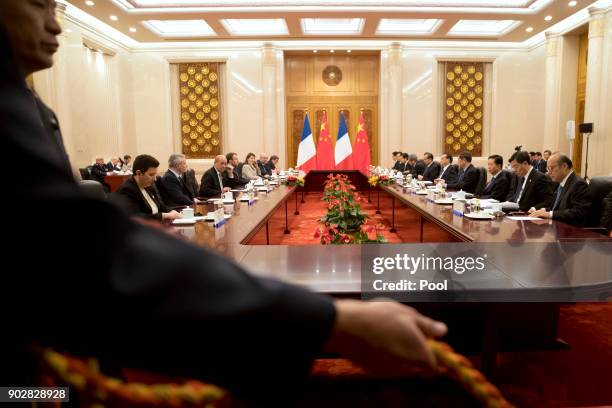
(220, 181)
(441, 173)
(461, 174)
(557, 198)
(519, 190)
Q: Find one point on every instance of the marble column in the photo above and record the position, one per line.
(593, 85)
(270, 123)
(551, 92)
(396, 139)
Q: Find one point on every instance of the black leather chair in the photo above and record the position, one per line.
(599, 188)
(482, 180)
(92, 188)
(85, 174)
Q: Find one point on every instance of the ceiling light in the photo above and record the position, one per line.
(493, 28)
(547, 18)
(572, 3)
(392, 26)
(180, 28)
(68, 30)
(332, 51)
(348, 51)
(332, 26)
(253, 26)
(132, 29)
(315, 51)
(529, 29)
(90, 3)
(114, 18)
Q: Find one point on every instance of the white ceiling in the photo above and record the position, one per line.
(188, 20)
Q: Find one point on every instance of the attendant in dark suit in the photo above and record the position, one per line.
(270, 165)
(498, 187)
(448, 171)
(534, 189)
(571, 202)
(215, 180)
(261, 163)
(432, 168)
(540, 164)
(113, 165)
(233, 165)
(396, 161)
(410, 162)
(468, 177)
(418, 168)
(175, 191)
(140, 279)
(137, 194)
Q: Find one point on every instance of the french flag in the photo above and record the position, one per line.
(343, 155)
(307, 152)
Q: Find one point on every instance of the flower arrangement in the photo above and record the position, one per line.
(380, 180)
(344, 222)
(295, 181)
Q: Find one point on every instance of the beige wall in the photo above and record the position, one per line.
(111, 105)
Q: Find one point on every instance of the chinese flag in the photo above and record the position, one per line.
(361, 149)
(325, 150)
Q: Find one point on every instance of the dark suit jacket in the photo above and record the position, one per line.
(265, 171)
(238, 180)
(129, 196)
(398, 166)
(538, 191)
(467, 180)
(98, 171)
(110, 167)
(498, 187)
(574, 202)
(408, 168)
(450, 175)
(172, 302)
(209, 186)
(541, 166)
(419, 168)
(191, 182)
(432, 171)
(175, 192)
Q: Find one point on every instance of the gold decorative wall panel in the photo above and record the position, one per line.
(200, 105)
(463, 107)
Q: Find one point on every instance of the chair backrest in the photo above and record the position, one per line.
(482, 180)
(92, 188)
(85, 175)
(599, 188)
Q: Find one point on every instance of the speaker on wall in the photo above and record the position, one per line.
(586, 128)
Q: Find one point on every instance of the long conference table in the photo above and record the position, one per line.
(336, 270)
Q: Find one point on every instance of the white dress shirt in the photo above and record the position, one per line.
(150, 201)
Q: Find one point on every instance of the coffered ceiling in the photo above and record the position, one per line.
(189, 20)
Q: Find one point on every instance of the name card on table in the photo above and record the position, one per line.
(219, 217)
(459, 207)
(431, 196)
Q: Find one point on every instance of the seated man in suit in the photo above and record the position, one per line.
(125, 163)
(113, 165)
(270, 165)
(432, 168)
(137, 194)
(418, 166)
(571, 202)
(540, 164)
(533, 189)
(468, 177)
(499, 185)
(448, 171)
(217, 179)
(99, 170)
(232, 165)
(263, 159)
(175, 191)
(410, 162)
(140, 278)
(396, 161)
(606, 214)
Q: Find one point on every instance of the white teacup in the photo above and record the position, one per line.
(228, 196)
(496, 207)
(187, 213)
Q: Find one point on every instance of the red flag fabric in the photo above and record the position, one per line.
(325, 149)
(361, 148)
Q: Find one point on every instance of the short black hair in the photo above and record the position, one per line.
(273, 157)
(549, 152)
(467, 156)
(229, 156)
(497, 159)
(521, 157)
(428, 155)
(448, 156)
(563, 159)
(396, 153)
(538, 154)
(144, 162)
(405, 156)
(127, 156)
(532, 153)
